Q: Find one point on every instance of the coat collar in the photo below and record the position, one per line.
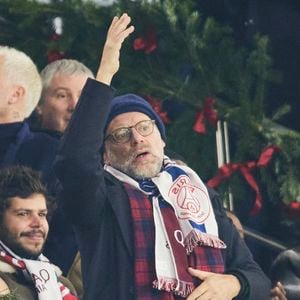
(121, 208)
(12, 150)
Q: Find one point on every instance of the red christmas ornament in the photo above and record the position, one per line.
(148, 43)
(295, 205)
(156, 105)
(54, 55)
(207, 113)
(199, 125)
(227, 170)
(54, 37)
(293, 209)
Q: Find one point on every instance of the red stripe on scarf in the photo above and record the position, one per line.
(202, 258)
(19, 264)
(179, 252)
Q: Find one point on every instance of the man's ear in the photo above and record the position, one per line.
(17, 95)
(105, 158)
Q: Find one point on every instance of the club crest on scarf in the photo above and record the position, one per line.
(192, 201)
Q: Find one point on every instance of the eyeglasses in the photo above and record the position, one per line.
(123, 135)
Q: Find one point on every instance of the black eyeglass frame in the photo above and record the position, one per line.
(111, 136)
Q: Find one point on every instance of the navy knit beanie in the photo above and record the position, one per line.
(130, 103)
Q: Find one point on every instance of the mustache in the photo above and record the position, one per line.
(138, 151)
(33, 232)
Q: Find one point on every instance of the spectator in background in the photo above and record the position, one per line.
(25, 274)
(62, 82)
(20, 90)
(285, 275)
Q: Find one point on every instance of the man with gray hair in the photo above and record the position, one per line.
(62, 82)
(20, 90)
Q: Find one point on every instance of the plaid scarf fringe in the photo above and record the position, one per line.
(197, 238)
(177, 287)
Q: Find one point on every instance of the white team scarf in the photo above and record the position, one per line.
(181, 188)
(41, 272)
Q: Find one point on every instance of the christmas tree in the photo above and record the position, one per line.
(194, 73)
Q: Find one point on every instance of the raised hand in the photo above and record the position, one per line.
(118, 31)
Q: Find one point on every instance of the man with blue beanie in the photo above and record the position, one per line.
(132, 102)
(147, 227)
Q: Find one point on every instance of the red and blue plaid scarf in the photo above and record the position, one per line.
(202, 258)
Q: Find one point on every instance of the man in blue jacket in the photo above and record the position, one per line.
(147, 227)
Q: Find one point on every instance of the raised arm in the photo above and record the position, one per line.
(78, 163)
(117, 33)
(78, 133)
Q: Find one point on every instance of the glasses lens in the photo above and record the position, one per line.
(121, 135)
(144, 128)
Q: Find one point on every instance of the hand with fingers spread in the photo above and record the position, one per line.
(118, 31)
(214, 286)
(278, 292)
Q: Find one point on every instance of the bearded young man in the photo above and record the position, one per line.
(25, 274)
(147, 227)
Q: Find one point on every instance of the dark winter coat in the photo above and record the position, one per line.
(19, 145)
(98, 206)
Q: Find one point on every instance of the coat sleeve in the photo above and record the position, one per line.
(79, 161)
(237, 257)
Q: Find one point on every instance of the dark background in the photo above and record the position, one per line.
(280, 21)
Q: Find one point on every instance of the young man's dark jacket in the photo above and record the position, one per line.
(19, 145)
(98, 206)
